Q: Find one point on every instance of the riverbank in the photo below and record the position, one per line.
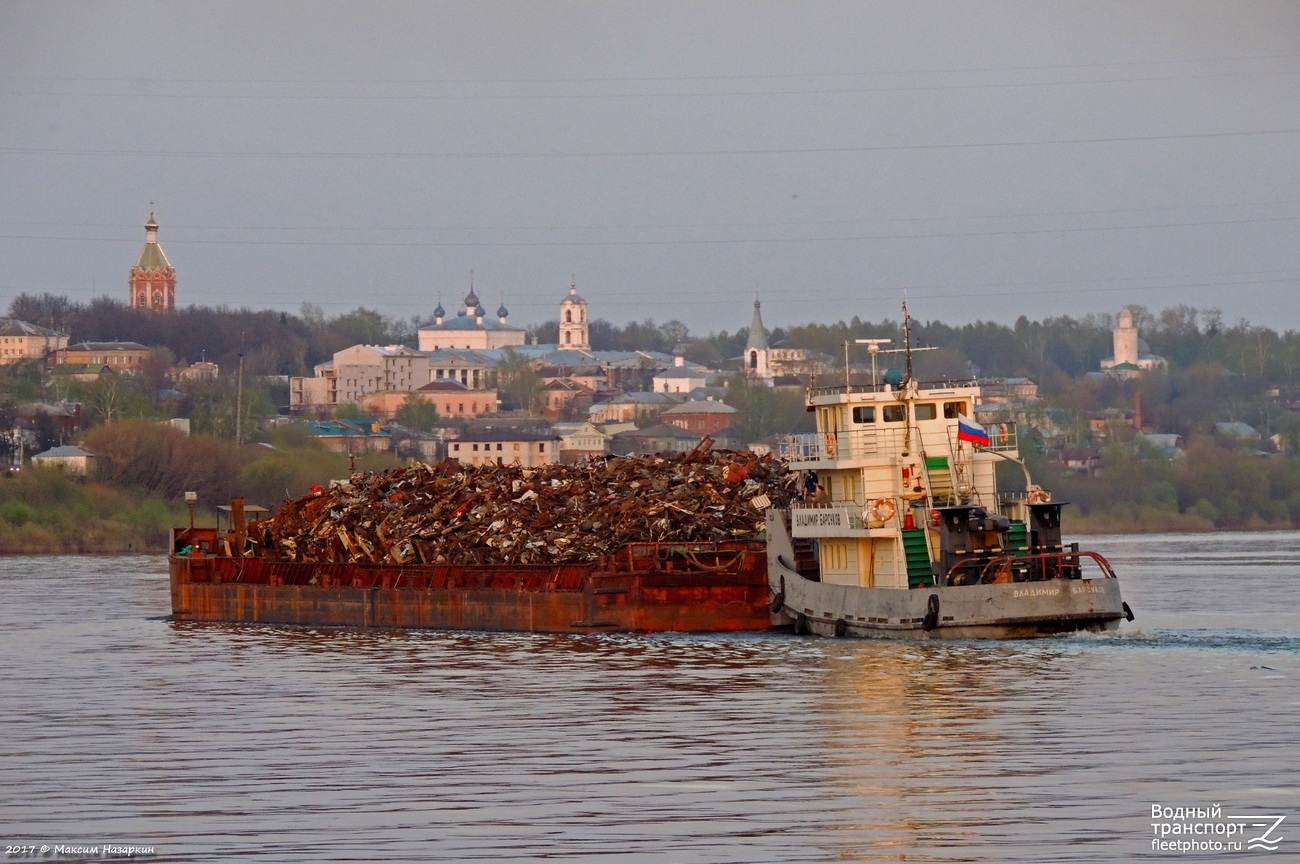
(45, 512)
(1139, 521)
(143, 527)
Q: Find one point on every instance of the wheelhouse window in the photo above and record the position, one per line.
(926, 411)
(895, 413)
(864, 414)
(952, 409)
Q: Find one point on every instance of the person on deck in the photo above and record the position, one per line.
(809, 485)
(820, 497)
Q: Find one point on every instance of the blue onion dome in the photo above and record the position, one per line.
(471, 300)
(503, 311)
(479, 311)
(438, 311)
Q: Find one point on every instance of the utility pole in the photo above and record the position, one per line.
(239, 403)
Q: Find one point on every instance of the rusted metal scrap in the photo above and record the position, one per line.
(451, 513)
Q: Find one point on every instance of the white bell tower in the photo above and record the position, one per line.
(574, 329)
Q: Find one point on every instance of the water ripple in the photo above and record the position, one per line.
(213, 742)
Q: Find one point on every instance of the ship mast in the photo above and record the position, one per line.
(907, 342)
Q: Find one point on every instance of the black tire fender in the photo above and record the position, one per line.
(778, 602)
(1128, 612)
(931, 619)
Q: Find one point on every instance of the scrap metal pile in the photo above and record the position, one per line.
(456, 514)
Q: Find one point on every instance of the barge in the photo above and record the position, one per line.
(643, 544)
(646, 588)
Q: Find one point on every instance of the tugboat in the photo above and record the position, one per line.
(905, 534)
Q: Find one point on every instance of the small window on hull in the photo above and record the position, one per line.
(926, 411)
(864, 414)
(895, 413)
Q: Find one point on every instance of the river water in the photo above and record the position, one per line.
(217, 742)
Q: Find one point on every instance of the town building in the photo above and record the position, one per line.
(702, 418)
(587, 374)
(561, 397)
(615, 428)
(529, 448)
(476, 370)
(682, 377)
(1111, 424)
(349, 437)
(580, 441)
(1001, 391)
(1238, 430)
(598, 370)
(471, 328)
(52, 423)
(453, 400)
(358, 372)
(120, 357)
(69, 459)
(1085, 461)
(631, 408)
(1169, 444)
(660, 438)
(319, 391)
(204, 370)
(794, 362)
(22, 341)
(365, 369)
(152, 281)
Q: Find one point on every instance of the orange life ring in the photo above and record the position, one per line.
(1039, 496)
(830, 444)
(882, 509)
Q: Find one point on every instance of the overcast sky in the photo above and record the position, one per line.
(991, 159)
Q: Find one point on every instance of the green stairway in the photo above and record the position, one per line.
(940, 476)
(919, 572)
(1017, 542)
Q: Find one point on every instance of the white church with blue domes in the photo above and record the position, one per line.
(471, 327)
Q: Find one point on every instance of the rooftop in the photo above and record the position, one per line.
(107, 346)
(14, 327)
(67, 451)
(700, 408)
(478, 435)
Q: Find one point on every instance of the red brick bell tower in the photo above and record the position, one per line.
(153, 280)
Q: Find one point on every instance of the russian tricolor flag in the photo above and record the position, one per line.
(969, 430)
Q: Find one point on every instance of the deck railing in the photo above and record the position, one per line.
(881, 387)
(867, 442)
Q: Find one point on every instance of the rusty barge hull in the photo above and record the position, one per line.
(646, 589)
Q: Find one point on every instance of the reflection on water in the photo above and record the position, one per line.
(284, 744)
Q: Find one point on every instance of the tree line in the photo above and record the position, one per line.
(273, 343)
(1052, 351)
